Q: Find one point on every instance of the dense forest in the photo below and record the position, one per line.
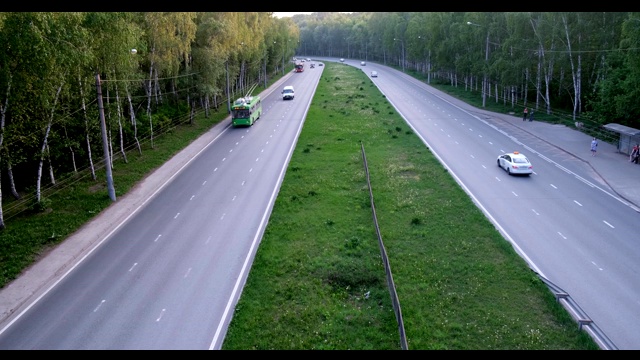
(156, 70)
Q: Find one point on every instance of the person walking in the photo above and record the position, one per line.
(526, 111)
(594, 146)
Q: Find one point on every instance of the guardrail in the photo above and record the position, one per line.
(580, 316)
(385, 259)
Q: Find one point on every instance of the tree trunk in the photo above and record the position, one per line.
(193, 112)
(132, 114)
(44, 145)
(119, 110)
(73, 153)
(51, 177)
(87, 130)
(575, 70)
(3, 112)
(149, 102)
(12, 181)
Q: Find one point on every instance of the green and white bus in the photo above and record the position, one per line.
(246, 110)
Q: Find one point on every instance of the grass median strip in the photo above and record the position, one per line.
(318, 281)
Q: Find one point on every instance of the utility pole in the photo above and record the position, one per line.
(105, 143)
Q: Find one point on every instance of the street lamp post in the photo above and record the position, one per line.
(103, 130)
(486, 61)
(284, 53)
(105, 144)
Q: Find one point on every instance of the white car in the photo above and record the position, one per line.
(515, 163)
(341, 60)
(374, 74)
(363, 63)
(288, 93)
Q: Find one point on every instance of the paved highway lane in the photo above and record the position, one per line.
(170, 276)
(556, 217)
(563, 220)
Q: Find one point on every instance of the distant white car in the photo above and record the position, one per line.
(374, 74)
(515, 164)
(363, 63)
(341, 60)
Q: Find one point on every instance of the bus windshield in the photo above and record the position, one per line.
(241, 113)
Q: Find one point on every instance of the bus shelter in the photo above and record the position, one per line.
(628, 136)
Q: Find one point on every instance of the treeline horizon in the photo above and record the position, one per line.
(185, 63)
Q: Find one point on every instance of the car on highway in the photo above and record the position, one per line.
(288, 93)
(374, 74)
(515, 163)
(341, 60)
(320, 64)
(363, 63)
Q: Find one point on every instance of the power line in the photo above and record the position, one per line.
(145, 79)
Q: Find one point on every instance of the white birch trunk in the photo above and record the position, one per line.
(86, 132)
(12, 181)
(149, 101)
(133, 120)
(575, 70)
(119, 110)
(51, 177)
(44, 146)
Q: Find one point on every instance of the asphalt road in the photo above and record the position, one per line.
(179, 246)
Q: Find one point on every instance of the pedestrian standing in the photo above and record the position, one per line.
(594, 146)
(531, 115)
(634, 152)
(526, 111)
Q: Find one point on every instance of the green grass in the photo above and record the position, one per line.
(318, 280)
